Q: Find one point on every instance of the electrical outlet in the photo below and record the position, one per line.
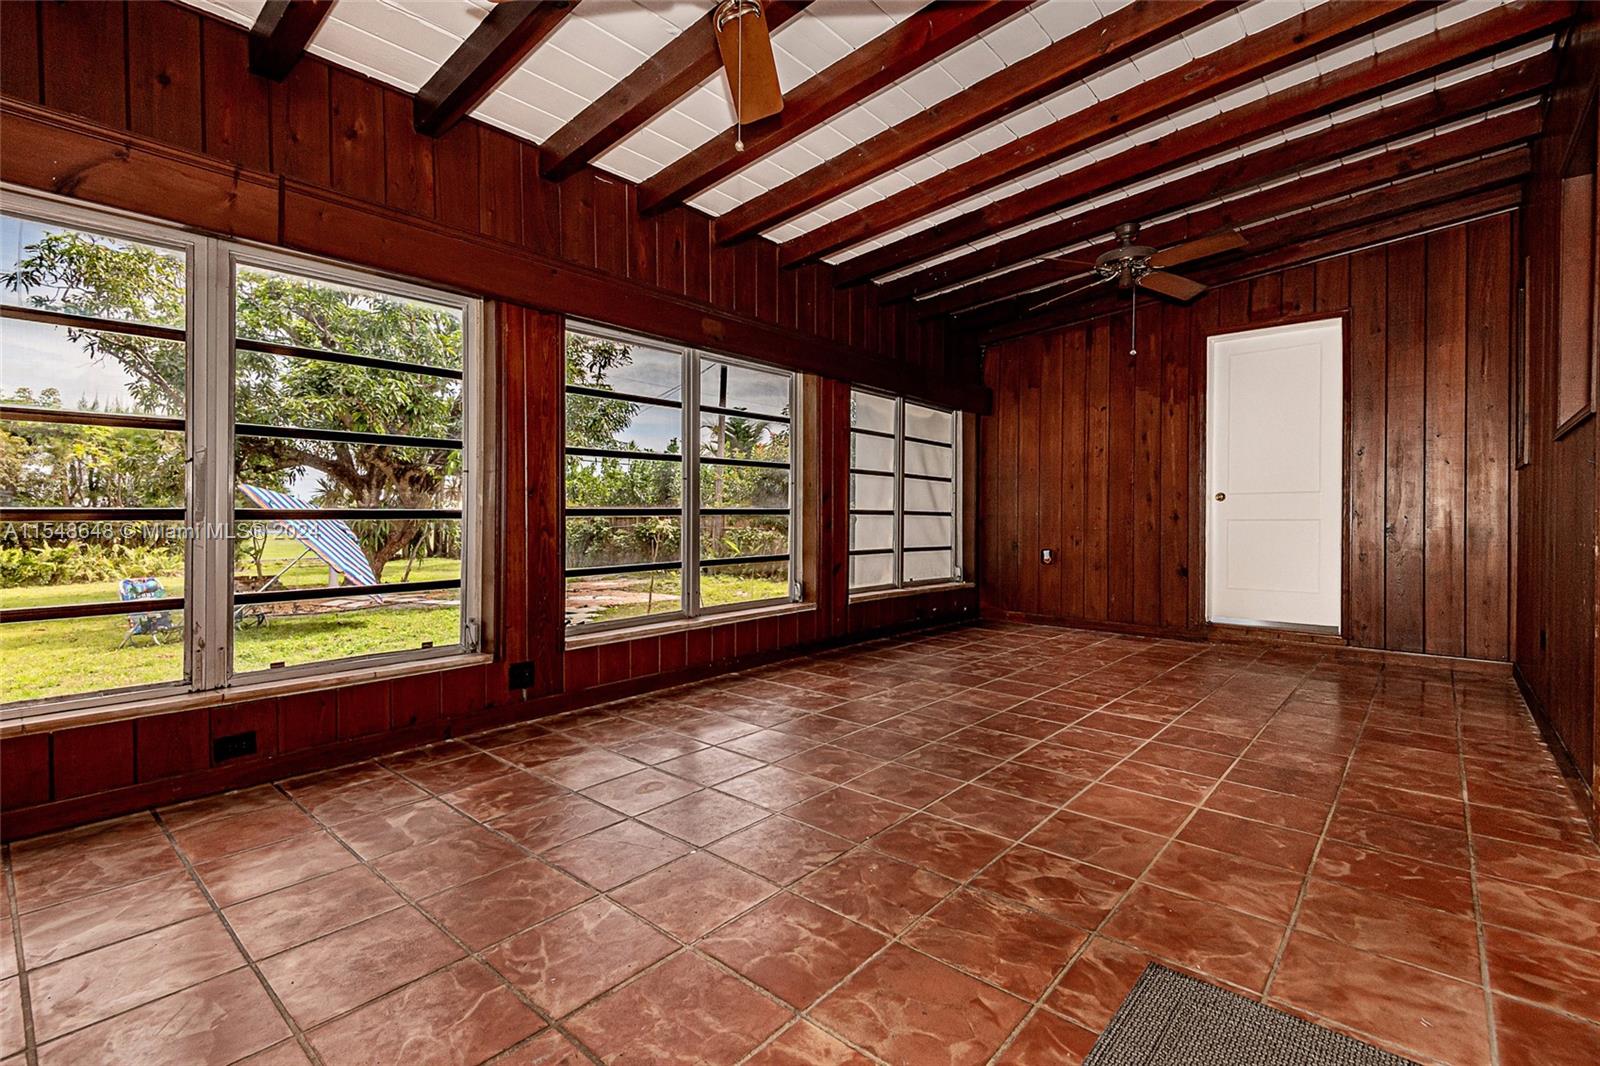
(520, 675)
(233, 746)
(1047, 556)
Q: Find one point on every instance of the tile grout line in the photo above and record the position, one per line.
(295, 1031)
(30, 1043)
(1472, 871)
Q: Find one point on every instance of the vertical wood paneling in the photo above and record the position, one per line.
(499, 186)
(357, 146)
(1488, 455)
(1367, 464)
(1445, 442)
(164, 74)
(456, 182)
(1405, 505)
(238, 105)
(93, 82)
(1428, 517)
(409, 165)
(19, 50)
(301, 120)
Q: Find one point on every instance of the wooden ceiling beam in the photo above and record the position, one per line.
(1354, 83)
(655, 85)
(1258, 55)
(1082, 54)
(506, 36)
(1483, 93)
(1276, 244)
(281, 33)
(908, 46)
(1395, 164)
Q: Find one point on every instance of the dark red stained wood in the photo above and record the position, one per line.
(545, 341)
(19, 53)
(1488, 455)
(357, 145)
(164, 74)
(1147, 474)
(541, 205)
(1266, 297)
(1074, 427)
(281, 32)
(1342, 87)
(456, 182)
(301, 124)
(92, 758)
(1097, 494)
(614, 663)
(516, 381)
(582, 668)
(363, 709)
(862, 72)
(1298, 291)
(1028, 489)
(499, 186)
(463, 692)
(415, 701)
(1051, 474)
(1149, 99)
(644, 657)
(1445, 441)
(25, 768)
(697, 257)
(1405, 504)
(308, 721)
(93, 85)
(1075, 57)
(1499, 87)
(1367, 416)
(507, 35)
(238, 108)
(670, 251)
(409, 166)
(172, 744)
(643, 239)
(1174, 480)
(655, 85)
(1333, 284)
(257, 716)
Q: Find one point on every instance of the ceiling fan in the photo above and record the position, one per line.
(1136, 266)
(745, 43)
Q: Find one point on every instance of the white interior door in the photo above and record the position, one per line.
(1274, 477)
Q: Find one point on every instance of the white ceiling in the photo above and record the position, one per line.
(402, 42)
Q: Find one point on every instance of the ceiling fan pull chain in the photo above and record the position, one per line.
(1133, 320)
(738, 105)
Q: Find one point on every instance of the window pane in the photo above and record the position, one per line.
(315, 631)
(624, 366)
(743, 486)
(305, 312)
(47, 564)
(743, 583)
(55, 268)
(870, 411)
(871, 492)
(933, 459)
(729, 536)
(732, 437)
(871, 571)
(56, 465)
(593, 422)
(609, 482)
(929, 495)
(928, 566)
(927, 532)
(76, 656)
(612, 597)
(275, 390)
(929, 423)
(742, 388)
(871, 453)
(328, 474)
(631, 540)
(871, 531)
(55, 367)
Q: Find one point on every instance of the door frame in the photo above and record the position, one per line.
(1199, 427)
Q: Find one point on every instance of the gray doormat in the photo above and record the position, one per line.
(1170, 1019)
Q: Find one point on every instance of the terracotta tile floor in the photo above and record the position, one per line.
(959, 848)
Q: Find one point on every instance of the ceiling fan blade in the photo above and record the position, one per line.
(1058, 297)
(1225, 240)
(1067, 265)
(1174, 285)
(746, 49)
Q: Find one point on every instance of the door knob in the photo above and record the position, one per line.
(1221, 496)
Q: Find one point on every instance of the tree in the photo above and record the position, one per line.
(112, 279)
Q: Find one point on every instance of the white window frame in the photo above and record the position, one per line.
(689, 559)
(897, 547)
(209, 505)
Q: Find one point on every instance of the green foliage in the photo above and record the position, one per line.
(77, 561)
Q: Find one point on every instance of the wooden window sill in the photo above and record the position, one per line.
(577, 641)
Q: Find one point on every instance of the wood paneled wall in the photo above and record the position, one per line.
(1557, 497)
(1098, 454)
(149, 107)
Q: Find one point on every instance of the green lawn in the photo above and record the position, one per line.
(60, 658)
(716, 590)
